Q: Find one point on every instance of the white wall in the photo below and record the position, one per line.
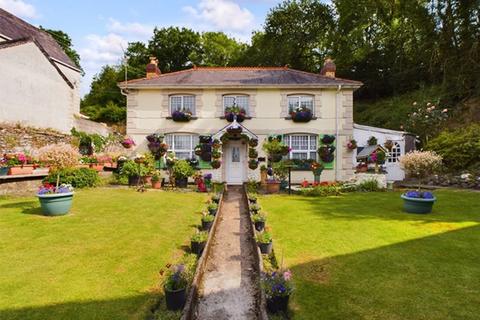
(32, 91)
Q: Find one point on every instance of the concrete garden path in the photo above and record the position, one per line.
(228, 289)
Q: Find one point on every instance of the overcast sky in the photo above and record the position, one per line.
(101, 28)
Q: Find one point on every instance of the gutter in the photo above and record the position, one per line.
(337, 104)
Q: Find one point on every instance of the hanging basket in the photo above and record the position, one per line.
(301, 116)
(328, 139)
(232, 130)
(216, 164)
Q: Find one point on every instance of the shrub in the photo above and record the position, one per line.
(255, 207)
(59, 156)
(370, 185)
(199, 236)
(264, 237)
(78, 178)
(208, 218)
(252, 186)
(459, 148)
(259, 218)
(212, 207)
(321, 191)
(132, 169)
(179, 276)
(182, 169)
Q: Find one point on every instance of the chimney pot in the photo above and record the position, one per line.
(329, 68)
(152, 68)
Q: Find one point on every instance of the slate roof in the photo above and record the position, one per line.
(367, 151)
(241, 77)
(17, 29)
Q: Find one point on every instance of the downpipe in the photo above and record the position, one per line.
(338, 100)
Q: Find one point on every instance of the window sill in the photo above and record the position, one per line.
(192, 118)
(246, 118)
(290, 118)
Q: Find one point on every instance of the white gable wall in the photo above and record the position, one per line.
(33, 92)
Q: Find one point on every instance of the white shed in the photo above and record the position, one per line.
(402, 142)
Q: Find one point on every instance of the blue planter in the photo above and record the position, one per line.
(4, 171)
(56, 204)
(417, 205)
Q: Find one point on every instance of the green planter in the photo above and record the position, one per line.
(4, 171)
(417, 205)
(56, 204)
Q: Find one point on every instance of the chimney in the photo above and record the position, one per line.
(329, 68)
(152, 68)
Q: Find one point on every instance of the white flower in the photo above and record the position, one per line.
(429, 104)
(415, 103)
(445, 110)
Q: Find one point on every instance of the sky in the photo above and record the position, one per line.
(101, 29)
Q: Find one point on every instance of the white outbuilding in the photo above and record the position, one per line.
(401, 142)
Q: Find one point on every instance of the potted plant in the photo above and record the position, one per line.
(216, 154)
(231, 112)
(156, 180)
(252, 153)
(198, 241)
(388, 145)
(57, 200)
(181, 171)
(301, 114)
(175, 287)
(254, 208)
(216, 163)
(317, 169)
(278, 287)
(216, 198)
(263, 174)
(183, 115)
(212, 208)
(372, 141)
(253, 142)
(156, 145)
(419, 164)
(326, 153)
(18, 164)
(128, 142)
(198, 150)
(207, 221)
(328, 139)
(265, 242)
(259, 221)
(135, 172)
(275, 149)
(378, 158)
(3, 166)
(253, 164)
(352, 144)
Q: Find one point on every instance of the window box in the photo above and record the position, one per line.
(181, 116)
(301, 115)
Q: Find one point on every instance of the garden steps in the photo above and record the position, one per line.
(229, 286)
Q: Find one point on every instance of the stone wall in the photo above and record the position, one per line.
(16, 138)
(20, 186)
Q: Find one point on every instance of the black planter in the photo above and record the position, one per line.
(181, 182)
(134, 180)
(328, 139)
(302, 116)
(207, 225)
(181, 117)
(265, 248)
(277, 304)
(229, 116)
(259, 225)
(175, 299)
(212, 211)
(197, 247)
(252, 200)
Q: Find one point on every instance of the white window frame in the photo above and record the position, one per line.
(301, 97)
(312, 145)
(194, 140)
(395, 153)
(235, 97)
(182, 102)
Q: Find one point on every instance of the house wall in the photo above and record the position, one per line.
(33, 92)
(148, 110)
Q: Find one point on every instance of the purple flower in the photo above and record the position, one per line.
(208, 176)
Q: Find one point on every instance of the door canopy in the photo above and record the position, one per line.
(234, 131)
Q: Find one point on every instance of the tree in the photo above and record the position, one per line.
(217, 49)
(65, 42)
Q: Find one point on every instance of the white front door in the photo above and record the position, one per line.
(394, 171)
(234, 159)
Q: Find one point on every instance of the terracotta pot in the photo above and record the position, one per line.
(20, 170)
(263, 176)
(147, 179)
(96, 166)
(273, 187)
(157, 185)
(362, 169)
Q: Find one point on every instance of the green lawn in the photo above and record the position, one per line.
(99, 262)
(358, 256)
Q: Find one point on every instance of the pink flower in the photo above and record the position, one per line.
(287, 275)
(21, 157)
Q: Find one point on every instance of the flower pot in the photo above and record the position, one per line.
(207, 225)
(277, 304)
(96, 166)
(56, 204)
(230, 116)
(181, 182)
(252, 200)
(4, 171)
(259, 225)
(41, 171)
(134, 181)
(301, 116)
(417, 205)
(197, 247)
(263, 177)
(362, 169)
(175, 299)
(265, 248)
(20, 170)
(273, 187)
(212, 211)
(157, 184)
(147, 179)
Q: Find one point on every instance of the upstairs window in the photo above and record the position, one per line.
(303, 146)
(300, 101)
(182, 103)
(240, 101)
(182, 144)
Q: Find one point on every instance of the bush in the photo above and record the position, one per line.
(321, 191)
(420, 164)
(78, 178)
(459, 148)
(370, 185)
(182, 169)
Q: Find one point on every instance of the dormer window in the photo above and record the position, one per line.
(182, 103)
(240, 101)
